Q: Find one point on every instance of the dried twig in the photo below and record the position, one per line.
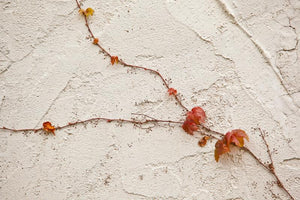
(271, 166)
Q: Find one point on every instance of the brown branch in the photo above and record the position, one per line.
(262, 134)
(210, 135)
(147, 121)
(21, 130)
(255, 157)
(147, 116)
(210, 130)
(271, 166)
(130, 65)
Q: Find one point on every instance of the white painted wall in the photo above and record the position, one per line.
(239, 60)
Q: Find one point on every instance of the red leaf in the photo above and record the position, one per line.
(197, 115)
(194, 117)
(47, 126)
(220, 149)
(236, 137)
(190, 126)
(172, 91)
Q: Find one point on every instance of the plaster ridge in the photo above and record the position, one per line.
(259, 47)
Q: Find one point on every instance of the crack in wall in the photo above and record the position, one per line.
(12, 62)
(265, 55)
(52, 103)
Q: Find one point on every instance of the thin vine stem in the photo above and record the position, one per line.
(130, 65)
(132, 121)
(271, 166)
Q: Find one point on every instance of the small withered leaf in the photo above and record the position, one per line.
(114, 59)
(172, 91)
(203, 141)
(96, 40)
(47, 126)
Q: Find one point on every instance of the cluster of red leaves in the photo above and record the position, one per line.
(172, 91)
(235, 137)
(193, 118)
(47, 126)
(114, 59)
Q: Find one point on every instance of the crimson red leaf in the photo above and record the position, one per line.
(236, 137)
(197, 115)
(194, 118)
(190, 126)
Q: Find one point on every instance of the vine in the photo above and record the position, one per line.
(194, 122)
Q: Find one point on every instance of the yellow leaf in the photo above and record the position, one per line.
(89, 12)
(81, 11)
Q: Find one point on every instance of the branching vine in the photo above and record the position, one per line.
(195, 118)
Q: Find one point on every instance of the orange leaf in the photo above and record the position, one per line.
(47, 126)
(220, 149)
(96, 40)
(236, 137)
(189, 126)
(172, 91)
(114, 59)
(203, 141)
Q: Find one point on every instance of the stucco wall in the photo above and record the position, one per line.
(239, 60)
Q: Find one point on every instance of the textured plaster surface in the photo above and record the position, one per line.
(239, 60)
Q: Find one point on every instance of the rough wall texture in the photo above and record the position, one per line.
(239, 60)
